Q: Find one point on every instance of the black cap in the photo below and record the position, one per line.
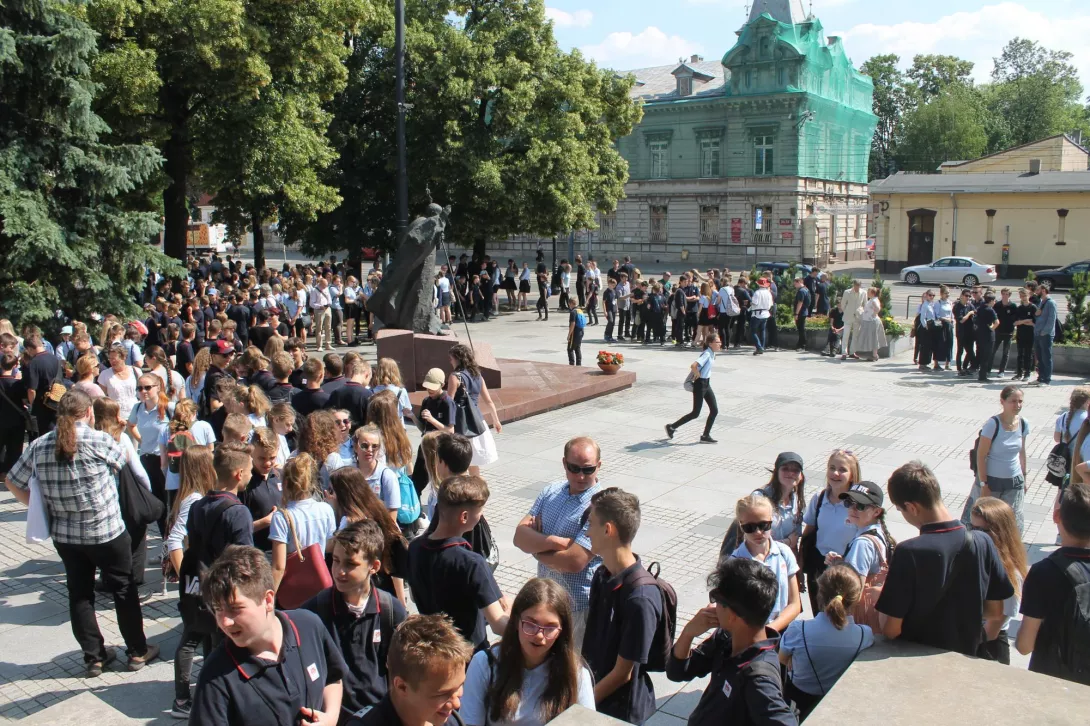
(789, 457)
(865, 492)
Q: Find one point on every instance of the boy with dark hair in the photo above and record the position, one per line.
(312, 398)
(426, 669)
(361, 625)
(356, 392)
(745, 685)
(281, 368)
(609, 304)
(273, 667)
(297, 349)
(262, 495)
(943, 584)
(624, 612)
(1054, 596)
(445, 574)
(334, 372)
(453, 455)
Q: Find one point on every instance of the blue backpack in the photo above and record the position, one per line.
(580, 319)
(410, 500)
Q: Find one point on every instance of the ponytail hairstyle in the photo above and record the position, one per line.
(185, 414)
(196, 475)
(108, 417)
(253, 399)
(839, 590)
(300, 479)
(74, 405)
(891, 543)
(163, 401)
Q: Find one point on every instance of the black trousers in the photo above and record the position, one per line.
(924, 339)
(336, 323)
(11, 442)
(804, 702)
(723, 323)
(1002, 343)
(998, 650)
(739, 329)
(624, 328)
(581, 291)
(985, 342)
(592, 310)
(677, 328)
(575, 347)
(611, 320)
(139, 539)
(543, 303)
(690, 326)
(154, 467)
(114, 559)
(183, 658)
(800, 328)
(1025, 355)
(966, 357)
(773, 331)
(702, 393)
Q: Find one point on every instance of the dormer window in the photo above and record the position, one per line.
(684, 85)
(765, 46)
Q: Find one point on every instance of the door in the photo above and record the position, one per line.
(921, 236)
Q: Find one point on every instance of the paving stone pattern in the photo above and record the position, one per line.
(885, 412)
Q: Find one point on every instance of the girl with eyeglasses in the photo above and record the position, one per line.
(869, 552)
(381, 478)
(754, 514)
(534, 674)
(996, 517)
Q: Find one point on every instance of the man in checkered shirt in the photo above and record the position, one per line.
(555, 530)
(78, 483)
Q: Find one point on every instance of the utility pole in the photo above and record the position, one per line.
(402, 154)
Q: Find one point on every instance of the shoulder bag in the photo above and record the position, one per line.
(305, 573)
(468, 420)
(139, 507)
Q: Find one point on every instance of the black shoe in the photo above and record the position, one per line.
(708, 439)
(670, 431)
(181, 709)
(95, 668)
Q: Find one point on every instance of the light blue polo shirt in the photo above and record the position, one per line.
(831, 651)
(864, 556)
(386, 486)
(561, 514)
(314, 524)
(781, 560)
(203, 435)
(834, 532)
(150, 425)
(783, 515)
(704, 363)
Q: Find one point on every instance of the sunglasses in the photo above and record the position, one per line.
(751, 527)
(860, 506)
(584, 470)
(531, 628)
(146, 388)
(344, 421)
(369, 447)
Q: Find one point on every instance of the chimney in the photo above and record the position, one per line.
(833, 39)
(1034, 166)
(696, 58)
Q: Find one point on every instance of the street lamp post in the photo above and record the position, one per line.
(402, 154)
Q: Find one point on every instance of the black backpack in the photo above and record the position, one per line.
(995, 435)
(663, 641)
(1072, 635)
(195, 563)
(139, 507)
(1058, 463)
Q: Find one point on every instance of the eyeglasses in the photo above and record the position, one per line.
(751, 527)
(146, 388)
(584, 470)
(529, 627)
(344, 421)
(369, 447)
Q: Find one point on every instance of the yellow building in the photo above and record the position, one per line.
(1032, 202)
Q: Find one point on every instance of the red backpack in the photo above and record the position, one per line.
(176, 446)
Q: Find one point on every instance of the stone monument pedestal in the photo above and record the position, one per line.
(417, 353)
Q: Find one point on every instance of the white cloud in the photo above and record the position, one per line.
(564, 19)
(978, 36)
(649, 47)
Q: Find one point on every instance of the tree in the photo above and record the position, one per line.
(949, 126)
(890, 104)
(930, 75)
(512, 132)
(68, 244)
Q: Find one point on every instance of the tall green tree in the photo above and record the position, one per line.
(891, 101)
(66, 240)
(514, 133)
(949, 126)
(930, 75)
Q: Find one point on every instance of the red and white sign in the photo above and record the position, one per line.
(736, 230)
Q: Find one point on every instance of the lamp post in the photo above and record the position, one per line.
(402, 154)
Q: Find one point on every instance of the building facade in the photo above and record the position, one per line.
(733, 155)
(1027, 207)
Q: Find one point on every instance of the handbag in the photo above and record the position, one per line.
(688, 384)
(468, 420)
(139, 507)
(305, 573)
(37, 516)
(56, 391)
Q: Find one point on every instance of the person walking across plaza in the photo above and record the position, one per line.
(851, 304)
(702, 391)
(76, 469)
(1044, 330)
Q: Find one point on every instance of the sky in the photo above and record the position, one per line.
(627, 34)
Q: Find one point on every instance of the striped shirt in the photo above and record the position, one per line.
(80, 494)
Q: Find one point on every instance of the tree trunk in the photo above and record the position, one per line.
(259, 241)
(178, 165)
(479, 244)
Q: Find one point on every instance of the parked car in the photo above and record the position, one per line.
(953, 270)
(778, 268)
(1061, 276)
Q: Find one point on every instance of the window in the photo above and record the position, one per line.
(781, 76)
(684, 86)
(658, 224)
(660, 159)
(944, 262)
(607, 226)
(749, 79)
(763, 146)
(709, 158)
(764, 47)
(709, 225)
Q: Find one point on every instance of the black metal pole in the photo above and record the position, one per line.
(402, 154)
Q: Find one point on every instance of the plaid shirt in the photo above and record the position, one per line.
(561, 514)
(80, 495)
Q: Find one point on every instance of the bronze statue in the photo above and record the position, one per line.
(404, 298)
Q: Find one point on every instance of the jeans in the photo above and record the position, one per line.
(611, 320)
(758, 326)
(114, 559)
(1042, 346)
(1003, 342)
(183, 657)
(1015, 497)
(739, 329)
(702, 393)
(624, 328)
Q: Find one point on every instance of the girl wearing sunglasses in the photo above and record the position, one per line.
(755, 518)
(869, 551)
(534, 674)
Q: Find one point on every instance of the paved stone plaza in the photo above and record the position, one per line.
(885, 412)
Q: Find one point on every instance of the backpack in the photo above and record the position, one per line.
(654, 303)
(580, 319)
(410, 500)
(1072, 637)
(176, 446)
(730, 302)
(663, 641)
(195, 563)
(976, 444)
(1059, 459)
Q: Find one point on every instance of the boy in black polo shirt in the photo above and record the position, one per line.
(931, 595)
(445, 574)
(1049, 629)
(623, 615)
(361, 626)
(426, 669)
(745, 686)
(356, 392)
(273, 667)
(262, 495)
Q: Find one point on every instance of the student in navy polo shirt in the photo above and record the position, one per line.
(360, 618)
(426, 669)
(803, 298)
(312, 398)
(745, 686)
(273, 667)
(355, 394)
(1049, 591)
(623, 616)
(262, 495)
(446, 576)
(931, 595)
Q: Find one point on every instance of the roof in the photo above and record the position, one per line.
(986, 183)
(658, 83)
(786, 11)
(1015, 148)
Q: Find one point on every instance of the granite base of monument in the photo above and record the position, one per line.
(417, 353)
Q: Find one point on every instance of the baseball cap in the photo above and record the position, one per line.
(865, 492)
(66, 330)
(222, 347)
(763, 282)
(433, 381)
(789, 457)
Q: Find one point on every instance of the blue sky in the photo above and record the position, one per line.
(626, 34)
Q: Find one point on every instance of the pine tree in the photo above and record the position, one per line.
(67, 242)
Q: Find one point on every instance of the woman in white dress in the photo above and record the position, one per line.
(872, 334)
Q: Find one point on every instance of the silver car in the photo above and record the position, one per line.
(954, 270)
